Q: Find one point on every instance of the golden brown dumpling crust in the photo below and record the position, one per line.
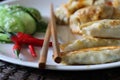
(97, 55)
(88, 14)
(88, 42)
(103, 28)
(116, 3)
(64, 12)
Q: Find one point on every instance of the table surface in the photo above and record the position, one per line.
(10, 71)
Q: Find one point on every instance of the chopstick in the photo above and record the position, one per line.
(51, 31)
(44, 50)
(56, 49)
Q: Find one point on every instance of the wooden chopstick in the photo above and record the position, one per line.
(44, 50)
(51, 30)
(56, 49)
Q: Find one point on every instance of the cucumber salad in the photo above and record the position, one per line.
(16, 18)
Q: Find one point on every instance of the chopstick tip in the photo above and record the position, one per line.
(41, 65)
(57, 59)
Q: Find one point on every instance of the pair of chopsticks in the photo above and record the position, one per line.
(51, 31)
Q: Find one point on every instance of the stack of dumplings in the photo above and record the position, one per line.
(98, 21)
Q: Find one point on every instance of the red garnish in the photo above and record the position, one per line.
(26, 39)
(16, 49)
(32, 50)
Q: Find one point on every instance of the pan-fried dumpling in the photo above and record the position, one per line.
(88, 14)
(74, 5)
(102, 2)
(116, 14)
(92, 55)
(64, 12)
(103, 29)
(88, 42)
(116, 3)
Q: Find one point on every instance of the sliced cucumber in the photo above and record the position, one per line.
(27, 20)
(4, 38)
(10, 23)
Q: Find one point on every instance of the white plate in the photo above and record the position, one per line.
(43, 6)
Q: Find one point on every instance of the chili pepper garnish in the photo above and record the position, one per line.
(16, 49)
(22, 38)
(20, 34)
(32, 50)
(28, 39)
(16, 46)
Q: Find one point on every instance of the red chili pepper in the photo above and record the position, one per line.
(16, 49)
(17, 46)
(28, 39)
(32, 50)
(20, 34)
(32, 41)
(15, 39)
(22, 38)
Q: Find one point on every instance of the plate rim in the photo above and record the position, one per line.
(61, 67)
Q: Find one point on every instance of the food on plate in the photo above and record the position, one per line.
(64, 12)
(62, 15)
(73, 5)
(103, 29)
(116, 3)
(88, 42)
(88, 14)
(18, 23)
(19, 39)
(97, 55)
(116, 14)
(103, 2)
(98, 23)
(16, 18)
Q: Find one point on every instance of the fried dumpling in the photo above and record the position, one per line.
(64, 12)
(88, 42)
(88, 14)
(92, 55)
(116, 3)
(107, 28)
(103, 2)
